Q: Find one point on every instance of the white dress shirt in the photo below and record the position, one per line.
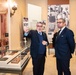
(61, 30)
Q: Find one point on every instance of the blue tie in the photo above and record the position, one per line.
(40, 33)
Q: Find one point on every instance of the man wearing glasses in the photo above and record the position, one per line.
(38, 48)
(64, 47)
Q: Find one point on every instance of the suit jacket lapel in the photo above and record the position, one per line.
(43, 35)
(61, 33)
(37, 35)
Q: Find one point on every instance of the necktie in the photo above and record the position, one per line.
(59, 32)
(40, 33)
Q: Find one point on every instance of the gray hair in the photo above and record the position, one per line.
(62, 19)
(39, 22)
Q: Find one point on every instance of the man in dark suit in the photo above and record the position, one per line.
(64, 47)
(54, 38)
(38, 48)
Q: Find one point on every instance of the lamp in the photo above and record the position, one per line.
(13, 9)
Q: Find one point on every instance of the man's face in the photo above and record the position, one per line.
(39, 27)
(60, 23)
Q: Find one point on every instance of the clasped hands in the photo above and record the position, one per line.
(44, 42)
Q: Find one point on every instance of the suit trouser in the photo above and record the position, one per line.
(38, 65)
(63, 67)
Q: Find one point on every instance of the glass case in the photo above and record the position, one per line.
(15, 59)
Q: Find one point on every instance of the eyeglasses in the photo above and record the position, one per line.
(59, 22)
(39, 26)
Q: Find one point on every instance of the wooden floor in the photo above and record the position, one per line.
(50, 66)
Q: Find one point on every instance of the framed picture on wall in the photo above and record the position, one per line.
(25, 21)
(55, 12)
(44, 25)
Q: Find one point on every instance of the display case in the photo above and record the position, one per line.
(15, 60)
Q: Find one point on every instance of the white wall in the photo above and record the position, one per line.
(34, 15)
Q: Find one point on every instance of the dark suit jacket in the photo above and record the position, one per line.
(64, 44)
(54, 39)
(34, 48)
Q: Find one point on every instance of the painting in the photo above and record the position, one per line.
(55, 12)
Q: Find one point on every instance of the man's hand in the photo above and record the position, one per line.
(44, 42)
(26, 29)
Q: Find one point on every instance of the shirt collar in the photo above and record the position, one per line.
(63, 28)
(40, 33)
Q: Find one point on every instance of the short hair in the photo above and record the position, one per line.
(40, 22)
(62, 19)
